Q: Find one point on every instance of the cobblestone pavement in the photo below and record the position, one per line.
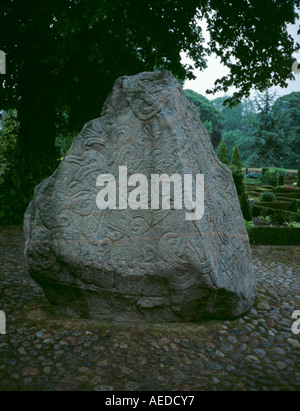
(255, 352)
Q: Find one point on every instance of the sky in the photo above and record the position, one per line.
(205, 79)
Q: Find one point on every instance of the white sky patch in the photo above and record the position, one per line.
(215, 69)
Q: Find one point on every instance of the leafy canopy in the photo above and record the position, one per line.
(64, 55)
(80, 46)
(287, 110)
(211, 117)
(236, 159)
(251, 38)
(266, 142)
(266, 130)
(222, 153)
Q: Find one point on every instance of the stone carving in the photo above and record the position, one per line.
(140, 265)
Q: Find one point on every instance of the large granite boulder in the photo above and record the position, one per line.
(139, 260)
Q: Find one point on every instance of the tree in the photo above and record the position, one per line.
(11, 202)
(209, 127)
(253, 24)
(236, 159)
(231, 138)
(287, 111)
(269, 178)
(68, 53)
(65, 55)
(8, 138)
(298, 179)
(222, 153)
(238, 179)
(211, 117)
(266, 140)
(241, 122)
(232, 116)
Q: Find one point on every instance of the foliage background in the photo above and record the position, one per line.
(63, 57)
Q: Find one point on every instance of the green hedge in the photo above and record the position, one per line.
(282, 205)
(285, 199)
(274, 235)
(295, 196)
(267, 187)
(289, 200)
(269, 178)
(286, 189)
(261, 189)
(258, 210)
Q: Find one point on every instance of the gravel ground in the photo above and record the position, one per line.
(255, 352)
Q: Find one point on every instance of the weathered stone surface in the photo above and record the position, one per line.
(140, 265)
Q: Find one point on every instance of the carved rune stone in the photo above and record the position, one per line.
(127, 264)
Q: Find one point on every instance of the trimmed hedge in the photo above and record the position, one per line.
(267, 197)
(253, 193)
(284, 199)
(281, 180)
(286, 189)
(289, 200)
(274, 235)
(258, 210)
(253, 196)
(268, 187)
(282, 205)
(261, 189)
(238, 179)
(290, 195)
(269, 178)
